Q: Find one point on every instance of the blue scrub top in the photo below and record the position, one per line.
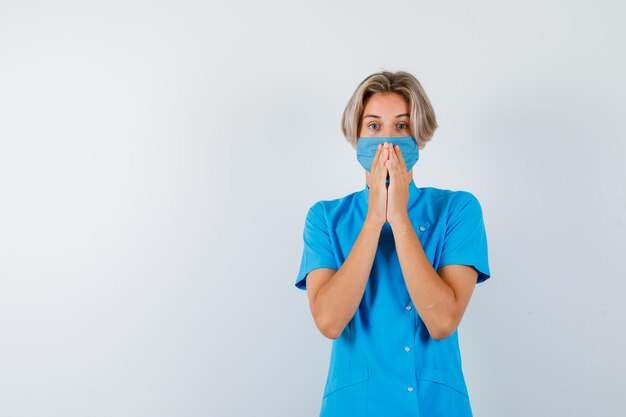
(385, 363)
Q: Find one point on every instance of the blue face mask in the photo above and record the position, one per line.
(366, 150)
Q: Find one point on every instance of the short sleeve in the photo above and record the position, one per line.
(465, 241)
(318, 251)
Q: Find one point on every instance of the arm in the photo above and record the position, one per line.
(440, 298)
(335, 295)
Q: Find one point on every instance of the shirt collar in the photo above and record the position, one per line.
(364, 195)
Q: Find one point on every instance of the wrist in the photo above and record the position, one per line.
(400, 221)
(374, 222)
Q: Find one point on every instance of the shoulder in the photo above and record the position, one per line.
(450, 201)
(453, 196)
(335, 206)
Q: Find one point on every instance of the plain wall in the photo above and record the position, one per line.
(157, 160)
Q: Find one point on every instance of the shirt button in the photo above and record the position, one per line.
(410, 389)
(406, 348)
(422, 228)
(408, 308)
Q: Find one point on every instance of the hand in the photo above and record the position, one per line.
(398, 192)
(377, 181)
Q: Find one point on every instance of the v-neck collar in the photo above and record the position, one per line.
(364, 195)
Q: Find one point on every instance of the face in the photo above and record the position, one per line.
(385, 114)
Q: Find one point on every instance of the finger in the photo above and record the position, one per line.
(375, 160)
(400, 164)
(393, 159)
(395, 168)
(392, 175)
(401, 161)
(380, 152)
(378, 164)
(384, 155)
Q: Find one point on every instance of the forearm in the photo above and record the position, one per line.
(338, 300)
(432, 297)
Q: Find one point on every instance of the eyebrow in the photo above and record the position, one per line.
(378, 117)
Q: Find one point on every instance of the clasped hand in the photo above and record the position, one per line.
(388, 204)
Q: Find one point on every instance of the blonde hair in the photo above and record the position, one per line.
(422, 116)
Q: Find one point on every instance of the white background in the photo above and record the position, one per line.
(157, 160)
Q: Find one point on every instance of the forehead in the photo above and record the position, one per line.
(385, 104)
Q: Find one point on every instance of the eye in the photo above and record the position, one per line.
(370, 125)
(402, 124)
